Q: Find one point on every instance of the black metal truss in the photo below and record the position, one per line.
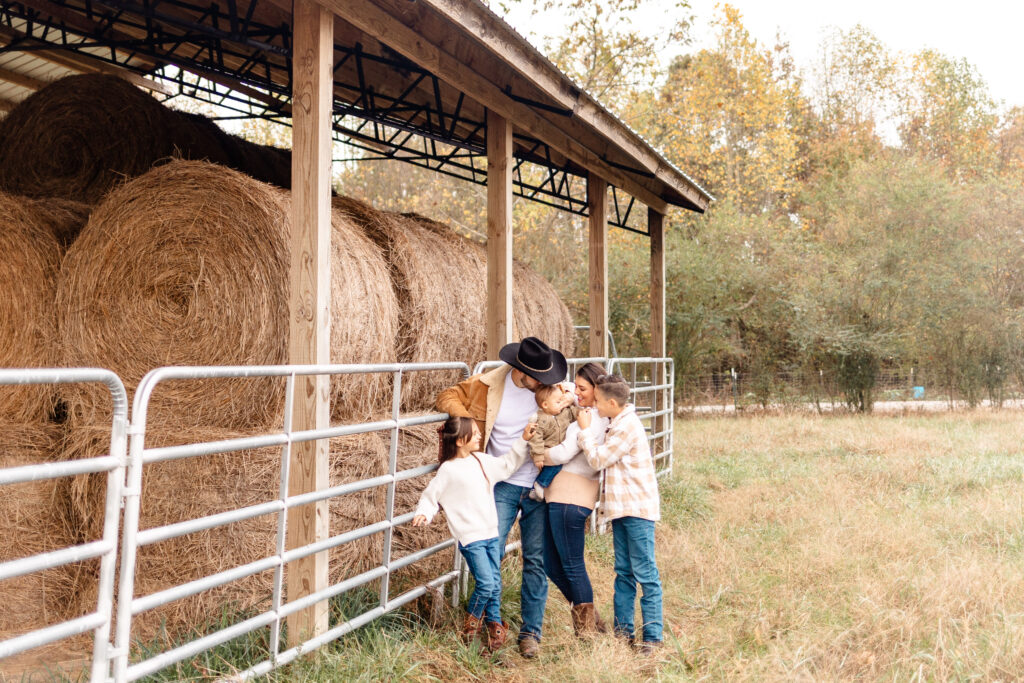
(218, 54)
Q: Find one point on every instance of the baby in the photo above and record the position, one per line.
(557, 412)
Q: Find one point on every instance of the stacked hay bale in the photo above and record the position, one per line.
(31, 514)
(188, 264)
(81, 136)
(538, 311)
(441, 279)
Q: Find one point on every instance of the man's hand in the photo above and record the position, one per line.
(419, 520)
(584, 418)
(531, 429)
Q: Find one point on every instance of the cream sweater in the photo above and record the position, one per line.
(467, 496)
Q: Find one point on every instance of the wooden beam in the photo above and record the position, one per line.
(383, 26)
(76, 62)
(656, 228)
(310, 303)
(21, 79)
(500, 320)
(597, 200)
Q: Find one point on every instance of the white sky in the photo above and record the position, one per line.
(988, 33)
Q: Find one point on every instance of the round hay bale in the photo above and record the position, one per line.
(539, 311)
(28, 278)
(440, 280)
(65, 217)
(178, 490)
(32, 521)
(188, 265)
(263, 162)
(81, 136)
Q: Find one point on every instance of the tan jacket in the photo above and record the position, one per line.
(551, 430)
(478, 397)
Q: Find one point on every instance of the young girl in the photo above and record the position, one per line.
(464, 487)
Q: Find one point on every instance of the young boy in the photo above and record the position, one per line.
(631, 503)
(557, 412)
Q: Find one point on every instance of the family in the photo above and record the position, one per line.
(519, 443)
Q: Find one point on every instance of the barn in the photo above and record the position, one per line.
(445, 85)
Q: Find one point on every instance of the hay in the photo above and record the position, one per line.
(81, 136)
(28, 278)
(177, 490)
(539, 311)
(188, 265)
(31, 522)
(439, 281)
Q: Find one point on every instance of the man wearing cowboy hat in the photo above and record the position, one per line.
(502, 403)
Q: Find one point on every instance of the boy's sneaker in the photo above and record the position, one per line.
(537, 493)
(649, 648)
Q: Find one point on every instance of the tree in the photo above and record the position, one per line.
(948, 115)
(725, 116)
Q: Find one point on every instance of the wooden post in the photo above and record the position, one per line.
(310, 303)
(500, 321)
(656, 228)
(597, 200)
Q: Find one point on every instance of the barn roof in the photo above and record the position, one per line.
(412, 81)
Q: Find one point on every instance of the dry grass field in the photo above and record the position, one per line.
(792, 548)
(796, 547)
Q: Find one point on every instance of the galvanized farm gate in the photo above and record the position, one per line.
(651, 379)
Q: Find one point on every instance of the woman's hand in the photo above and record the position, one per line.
(584, 418)
(531, 429)
(419, 520)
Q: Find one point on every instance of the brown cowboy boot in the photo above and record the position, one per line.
(583, 619)
(471, 628)
(496, 635)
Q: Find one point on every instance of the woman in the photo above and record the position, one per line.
(571, 499)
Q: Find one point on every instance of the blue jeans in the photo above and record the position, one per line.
(484, 561)
(563, 551)
(510, 499)
(547, 474)
(634, 564)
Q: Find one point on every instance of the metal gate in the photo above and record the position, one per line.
(105, 548)
(129, 605)
(651, 380)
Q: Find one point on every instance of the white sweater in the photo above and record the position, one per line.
(467, 496)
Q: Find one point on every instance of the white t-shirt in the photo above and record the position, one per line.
(518, 405)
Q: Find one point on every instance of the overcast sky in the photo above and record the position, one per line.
(988, 33)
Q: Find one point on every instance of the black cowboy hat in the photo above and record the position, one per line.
(536, 359)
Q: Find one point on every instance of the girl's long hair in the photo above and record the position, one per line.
(449, 433)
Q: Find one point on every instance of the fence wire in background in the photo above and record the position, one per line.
(104, 548)
(822, 390)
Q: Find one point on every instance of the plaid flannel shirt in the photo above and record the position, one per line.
(630, 485)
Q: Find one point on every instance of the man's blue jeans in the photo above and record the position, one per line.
(634, 564)
(484, 561)
(510, 499)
